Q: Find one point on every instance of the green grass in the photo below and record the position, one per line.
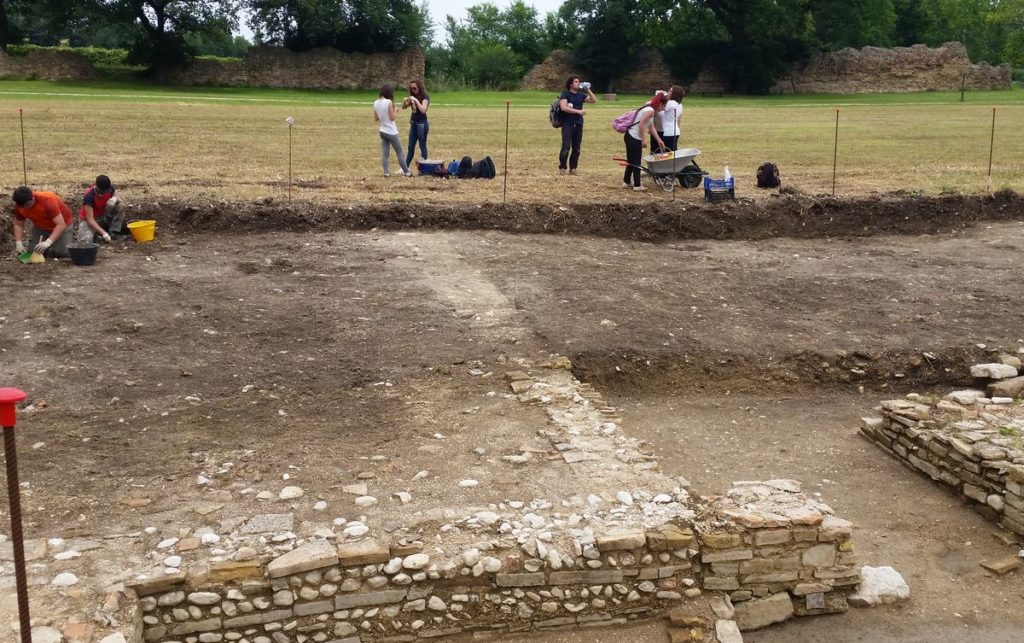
(232, 143)
(147, 92)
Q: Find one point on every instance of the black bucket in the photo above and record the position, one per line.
(83, 254)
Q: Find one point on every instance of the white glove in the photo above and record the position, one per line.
(42, 247)
(19, 247)
(106, 237)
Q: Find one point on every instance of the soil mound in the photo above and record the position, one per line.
(785, 215)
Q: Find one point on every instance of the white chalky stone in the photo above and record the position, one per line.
(366, 501)
(169, 542)
(65, 579)
(320, 505)
(624, 497)
(210, 539)
(172, 561)
(471, 557)
(468, 483)
(393, 566)
(416, 561)
(491, 564)
(290, 493)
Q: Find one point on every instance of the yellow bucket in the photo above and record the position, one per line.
(142, 231)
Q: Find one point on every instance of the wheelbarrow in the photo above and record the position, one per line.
(668, 167)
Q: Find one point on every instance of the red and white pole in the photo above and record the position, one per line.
(9, 397)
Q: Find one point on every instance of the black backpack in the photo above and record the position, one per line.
(482, 169)
(465, 165)
(768, 176)
(555, 114)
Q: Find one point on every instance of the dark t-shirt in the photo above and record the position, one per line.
(575, 100)
(418, 116)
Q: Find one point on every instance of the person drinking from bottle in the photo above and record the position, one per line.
(50, 218)
(101, 212)
(571, 104)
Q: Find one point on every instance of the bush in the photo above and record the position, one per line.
(220, 59)
(98, 56)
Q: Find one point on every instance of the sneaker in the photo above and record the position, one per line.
(386, 175)
(572, 172)
(626, 185)
(639, 188)
(561, 171)
(406, 173)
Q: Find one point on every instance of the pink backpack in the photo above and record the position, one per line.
(625, 121)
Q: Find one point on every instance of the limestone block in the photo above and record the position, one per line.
(728, 632)
(230, 571)
(820, 556)
(669, 538)
(520, 580)
(993, 371)
(366, 600)
(761, 612)
(312, 555)
(1011, 387)
(621, 540)
(363, 552)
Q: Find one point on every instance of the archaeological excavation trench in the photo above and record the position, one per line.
(365, 426)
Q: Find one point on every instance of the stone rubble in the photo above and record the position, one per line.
(590, 559)
(971, 440)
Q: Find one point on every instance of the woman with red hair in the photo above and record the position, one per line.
(643, 122)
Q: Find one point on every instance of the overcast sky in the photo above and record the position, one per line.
(457, 8)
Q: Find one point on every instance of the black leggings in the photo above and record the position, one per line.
(634, 155)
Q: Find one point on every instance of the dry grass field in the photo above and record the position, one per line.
(211, 145)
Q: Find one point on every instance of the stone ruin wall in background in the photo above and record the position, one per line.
(849, 71)
(261, 67)
(315, 69)
(47, 64)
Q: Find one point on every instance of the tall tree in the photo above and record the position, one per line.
(610, 36)
(494, 47)
(764, 36)
(348, 25)
(854, 23)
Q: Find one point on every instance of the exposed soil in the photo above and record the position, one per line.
(356, 342)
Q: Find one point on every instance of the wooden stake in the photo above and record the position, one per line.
(24, 164)
(835, 155)
(504, 189)
(991, 148)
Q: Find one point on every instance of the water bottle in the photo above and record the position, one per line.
(726, 174)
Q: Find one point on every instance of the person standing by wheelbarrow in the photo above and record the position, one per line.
(643, 123)
(101, 212)
(670, 117)
(51, 222)
(571, 103)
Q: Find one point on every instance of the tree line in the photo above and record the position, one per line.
(752, 41)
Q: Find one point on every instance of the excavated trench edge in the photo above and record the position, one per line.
(634, 372)
(785, 215)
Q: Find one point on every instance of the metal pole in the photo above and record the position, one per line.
(991, 148)
(289, 164)
(504, 188)
(835, 155)
(24, 165)
(8, 398)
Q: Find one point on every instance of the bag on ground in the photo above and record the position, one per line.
(465, 165)
(555, 113)
(482, 169)
(768, 176)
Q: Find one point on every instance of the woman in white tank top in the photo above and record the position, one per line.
(384, 113)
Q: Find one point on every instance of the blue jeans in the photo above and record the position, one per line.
(417, 132)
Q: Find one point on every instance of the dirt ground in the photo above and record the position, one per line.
(248, 348)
